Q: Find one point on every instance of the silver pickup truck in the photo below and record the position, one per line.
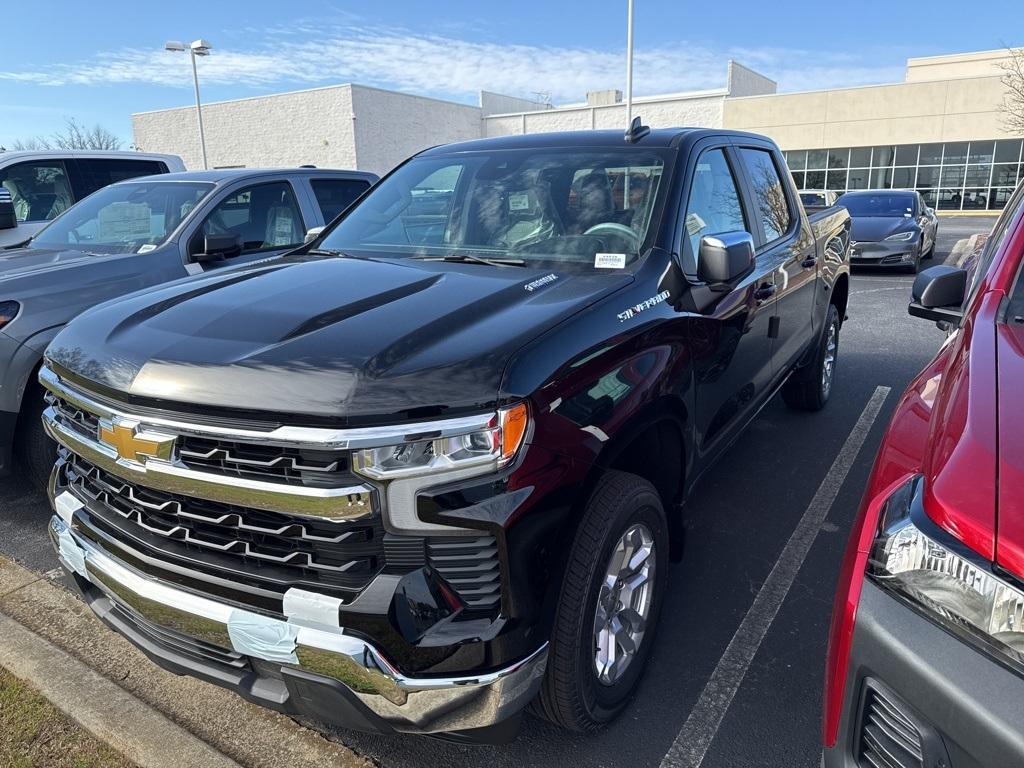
(134, 235)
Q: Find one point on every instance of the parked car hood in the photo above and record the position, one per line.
(340, 339)
(18, 262)
(871, 229)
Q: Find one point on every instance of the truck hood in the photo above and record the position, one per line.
(871, 229)
(350, 341)
(21, 262)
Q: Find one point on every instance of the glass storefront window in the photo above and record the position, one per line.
(903, 178)
(1005, 175)
(956, 152)
(838, 158)
(815, 180)
(930, 196)
(950, 199)
(906, 154)
(928, 176)
(982, 152)
(796, 159)
(998, 198)
(978, 175)
(858, 178)
(953, 175)
(882, 156)
(1008, 151)
(931, 154)
(798, 179)
(881, 178)
(816, 159)
(836, 180)
(860, 157)
(975, 199)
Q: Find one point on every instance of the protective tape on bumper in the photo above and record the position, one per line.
(310, 607)
(71, 553)
(263, 637)
(66, 504)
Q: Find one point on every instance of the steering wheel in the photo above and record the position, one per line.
(619, 230)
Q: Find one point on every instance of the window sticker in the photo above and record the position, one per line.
(124, 221)
(146, 248)
(609, 260)
(694, 224)
(518, 201)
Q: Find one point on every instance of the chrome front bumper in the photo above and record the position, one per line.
(324, 654)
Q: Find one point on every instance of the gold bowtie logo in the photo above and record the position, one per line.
(133, 445)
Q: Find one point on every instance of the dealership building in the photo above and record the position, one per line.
(938, 131)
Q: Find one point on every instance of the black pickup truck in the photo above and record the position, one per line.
(430, 468)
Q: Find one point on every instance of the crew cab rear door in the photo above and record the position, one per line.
(786, 247)
(729, 339)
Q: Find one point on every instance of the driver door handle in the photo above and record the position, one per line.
(764, 292)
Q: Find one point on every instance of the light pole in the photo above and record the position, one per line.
(629, 64)
(196, 48)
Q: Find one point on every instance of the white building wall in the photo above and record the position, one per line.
(743, 81)
(281, 130)
(391, 126)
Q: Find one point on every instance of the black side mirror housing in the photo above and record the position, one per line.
(938, 294)
(8, 218)
(220, 247)
(725, 258)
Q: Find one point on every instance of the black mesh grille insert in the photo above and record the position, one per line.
(470, 565)
(888, 738)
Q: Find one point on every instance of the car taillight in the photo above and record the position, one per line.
(844, 612)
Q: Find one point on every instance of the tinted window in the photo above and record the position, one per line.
(713, 207)
(97, 173)
(335, 195)
(126, 218)
(881, 204)
(265, 216)
(39, 190)
(770, 196)
(976, 270)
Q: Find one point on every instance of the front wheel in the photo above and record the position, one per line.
(810, 387)
(609, 604)
(35, 450)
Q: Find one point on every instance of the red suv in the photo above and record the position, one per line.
(926, 650)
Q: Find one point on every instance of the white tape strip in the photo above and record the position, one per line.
(73, 554)
(311, 607)
(66, 505)
(262, 637)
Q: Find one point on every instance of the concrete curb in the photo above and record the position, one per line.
(249, 735)
(108, 712)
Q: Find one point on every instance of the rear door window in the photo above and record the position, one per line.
(266, 216)
(769, 194)
(98, 172)
(335, 195)
(39, 189)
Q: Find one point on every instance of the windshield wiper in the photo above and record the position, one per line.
(470, 257)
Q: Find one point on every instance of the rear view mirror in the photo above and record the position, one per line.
(8, 219)
(312, 234)
(725, 258)
(938, 294)
(220, 247)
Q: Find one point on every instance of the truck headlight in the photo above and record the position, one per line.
(8, 311)
(959, 592)
(901, 237)
(487, 449)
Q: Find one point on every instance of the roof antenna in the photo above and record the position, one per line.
(636, 131)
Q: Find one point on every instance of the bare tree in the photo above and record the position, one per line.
(1012, 108)
(74, 136)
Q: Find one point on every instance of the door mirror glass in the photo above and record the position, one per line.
(938, 294)
(8, 219)
(220, 247)
(312, 234)
(725, 258)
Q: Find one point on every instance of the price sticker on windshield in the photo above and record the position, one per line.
(609, 260)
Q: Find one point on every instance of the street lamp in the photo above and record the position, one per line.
(196, 48)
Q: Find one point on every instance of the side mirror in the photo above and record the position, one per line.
(938, 294)
(312, 234)
(725, 258)
(220, 247)
(8, 218)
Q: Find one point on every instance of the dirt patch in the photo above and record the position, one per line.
(35, 734)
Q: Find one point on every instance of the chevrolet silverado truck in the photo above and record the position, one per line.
(132, 235)
(429, 469)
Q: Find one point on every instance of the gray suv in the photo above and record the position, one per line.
(134, 235)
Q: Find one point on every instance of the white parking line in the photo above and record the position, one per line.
(692, 742)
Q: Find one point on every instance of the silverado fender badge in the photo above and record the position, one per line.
(531, 287)
(636, 309)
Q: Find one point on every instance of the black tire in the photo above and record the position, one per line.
(806, 389)
(35, 451)
(572, 695)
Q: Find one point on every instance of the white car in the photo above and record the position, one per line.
(42, 184)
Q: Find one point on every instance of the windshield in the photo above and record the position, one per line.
(132, 217)
(591, 208)
(880, 204)
(813, 198)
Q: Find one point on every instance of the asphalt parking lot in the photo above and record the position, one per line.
(746, 524)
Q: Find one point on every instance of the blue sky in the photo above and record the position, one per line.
(99, 62)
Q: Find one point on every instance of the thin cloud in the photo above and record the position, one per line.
(450, 65)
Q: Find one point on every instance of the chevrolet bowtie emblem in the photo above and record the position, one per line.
(134, 445)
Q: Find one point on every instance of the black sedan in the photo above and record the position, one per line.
(891, 228)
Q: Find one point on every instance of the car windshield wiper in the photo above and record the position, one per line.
(470, 257)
